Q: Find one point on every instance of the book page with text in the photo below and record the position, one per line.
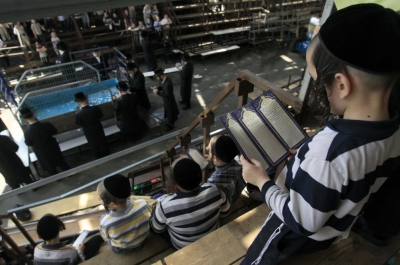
(245, 143)
(290, 133)
(263, 135)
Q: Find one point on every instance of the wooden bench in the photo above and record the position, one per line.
(229, 244)
(231, 48)
(77, 142)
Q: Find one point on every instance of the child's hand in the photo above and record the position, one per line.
(254, 172)
(80, 248)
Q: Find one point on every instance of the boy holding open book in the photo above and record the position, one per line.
(327, 184)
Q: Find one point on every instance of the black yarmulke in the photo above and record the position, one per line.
(187, 174)
(25, 113)
(364, 36)
(118, 186)
(48, 227)
(225, 149)
(130, 66)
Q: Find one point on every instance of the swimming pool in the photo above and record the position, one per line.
(60, 102)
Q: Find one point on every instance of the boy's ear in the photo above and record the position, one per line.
(343, 85)
(39, 236)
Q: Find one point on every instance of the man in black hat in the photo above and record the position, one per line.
(166, 91)
(64, 54)
(200, 206)
(99, 62)
(137, 85)
(148, 51)
(326, 185)
(89, 118)
(126, 107)
(11, 166)
(39, 135)
(186, 74)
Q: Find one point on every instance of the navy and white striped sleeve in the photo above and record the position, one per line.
(225, 206)
(314, 196)
(158, 221)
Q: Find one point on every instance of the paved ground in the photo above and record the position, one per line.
(272, 62)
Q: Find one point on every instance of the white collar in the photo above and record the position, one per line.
(164, 80)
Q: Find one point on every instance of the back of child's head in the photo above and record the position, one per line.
(49, 226)
(225, 149)
(186, 173)
(361, 40)
(114, 189)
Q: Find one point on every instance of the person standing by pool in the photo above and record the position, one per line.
(89, 118)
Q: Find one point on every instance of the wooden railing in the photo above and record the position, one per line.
(242, 84)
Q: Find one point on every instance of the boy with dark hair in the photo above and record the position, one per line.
(52, 251)
(193, 210)
(228, 173)
(332, 176)
(126, 224)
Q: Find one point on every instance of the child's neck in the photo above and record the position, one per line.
(53, 241)
(373, 108)
(119, 207)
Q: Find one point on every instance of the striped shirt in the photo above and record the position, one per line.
(57, 254)
(127, 228)
(192, 215)
(326, 185)
(229, 179)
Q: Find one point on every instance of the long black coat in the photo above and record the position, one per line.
(166, 91)
(149, 56)
(125, 106)
(100, 65)
(89, 118)
(39, 135)
(11, 166)
(186, 81)
(64, 58)
(137, 85)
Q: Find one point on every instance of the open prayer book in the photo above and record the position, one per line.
(80, 238)
(264, 130)
(197, 156)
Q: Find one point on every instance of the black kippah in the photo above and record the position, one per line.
(48, 227)
(364, 36)
(187, 174)
(225, 149)
(118, 186)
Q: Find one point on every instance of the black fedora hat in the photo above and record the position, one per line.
(185, 56)
(144, 34)
(25, 113)
(62, 46)
(158, 71)
(131, 66)
(122, 85)
(79, 97)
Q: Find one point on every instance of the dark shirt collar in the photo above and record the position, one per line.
(371, 129)
(52, 247)
(192, 193)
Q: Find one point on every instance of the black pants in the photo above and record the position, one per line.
(92, 246)
(382, 212)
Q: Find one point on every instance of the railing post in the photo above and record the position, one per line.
(242, 90)
(23, 231)
(205, 122)
(184, 141)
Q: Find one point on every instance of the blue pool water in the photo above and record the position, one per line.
(61, 102)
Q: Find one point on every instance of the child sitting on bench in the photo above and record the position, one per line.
(228, 172)
(52, 251)
(193, 210)
(126, 224)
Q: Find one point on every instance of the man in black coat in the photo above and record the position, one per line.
(99, 62)
(39, 135)
(64, 54)
(126, 107)
(137, 85)
(186, 74)
(166, 91)
(11, 166)
(89, 118)
(148, 51)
